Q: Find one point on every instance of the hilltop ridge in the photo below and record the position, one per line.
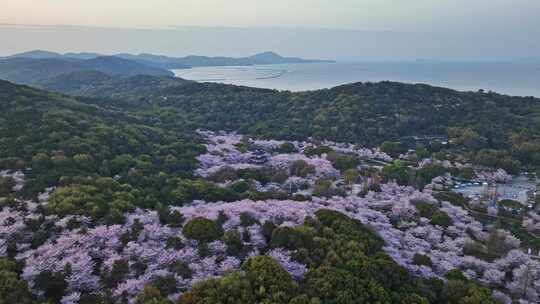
(168, 62)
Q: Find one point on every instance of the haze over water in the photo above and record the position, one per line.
(513, 78)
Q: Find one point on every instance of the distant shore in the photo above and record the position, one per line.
(505, 78)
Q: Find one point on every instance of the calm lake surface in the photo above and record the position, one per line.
(513, 78)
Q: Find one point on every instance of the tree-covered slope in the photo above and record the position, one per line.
(62, 137)
(168, 63)
(364, 113)
(87, 242)
(29, 70)
(75, 82)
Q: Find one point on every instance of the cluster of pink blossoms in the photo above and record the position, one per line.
(392, 213)
(323, 167)
(497, 176)
(17, 177)
(366, 153)
(222, 151)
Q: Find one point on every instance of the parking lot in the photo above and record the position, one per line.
(518, 189)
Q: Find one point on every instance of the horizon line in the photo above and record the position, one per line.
(211, 27)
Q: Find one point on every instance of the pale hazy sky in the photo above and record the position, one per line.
(392, 15)
(334, 29)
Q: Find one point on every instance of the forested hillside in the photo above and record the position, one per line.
(169, 63)
(120, 197)
(497, 128)
(30, 70)
(64, 140)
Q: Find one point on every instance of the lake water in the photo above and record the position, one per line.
(516, 78)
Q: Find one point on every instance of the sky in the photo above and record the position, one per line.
(336, 29)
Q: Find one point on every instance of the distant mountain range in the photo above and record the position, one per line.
(169, 63)
(28, 70)
(40, 66)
